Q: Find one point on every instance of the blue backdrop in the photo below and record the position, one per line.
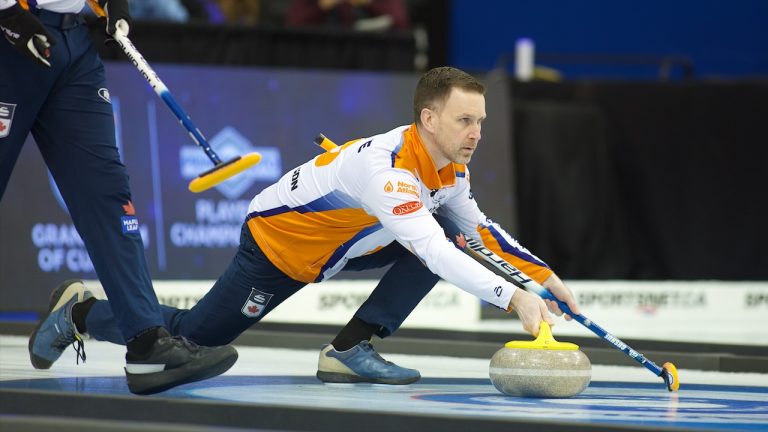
(724, 39)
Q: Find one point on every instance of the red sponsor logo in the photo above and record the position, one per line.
(405, 208)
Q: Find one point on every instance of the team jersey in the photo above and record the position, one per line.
(362, 196)
(61, 6)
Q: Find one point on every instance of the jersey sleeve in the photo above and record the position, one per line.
(402, 213)
(463, 210)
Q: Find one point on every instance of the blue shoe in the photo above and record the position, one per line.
(57, 331)
(361, 363)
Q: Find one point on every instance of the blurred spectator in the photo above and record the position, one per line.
(273, 12)
(247, 12)
(363, 15)
(154, 10)
(204, 11)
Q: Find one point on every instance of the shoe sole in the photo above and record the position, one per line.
(151, 383)
(340, 378)
(40, 362)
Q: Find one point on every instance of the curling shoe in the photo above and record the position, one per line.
(174, 361)
(361, 364)
(57, 330)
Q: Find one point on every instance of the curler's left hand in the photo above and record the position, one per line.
(563, 293)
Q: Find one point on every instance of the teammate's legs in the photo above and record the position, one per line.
(24, 86)
(76, 136)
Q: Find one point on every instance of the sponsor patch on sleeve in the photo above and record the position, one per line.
(409, 188)
(406, 208)
(401, 187)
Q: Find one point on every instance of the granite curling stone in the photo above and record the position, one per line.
(543, 368)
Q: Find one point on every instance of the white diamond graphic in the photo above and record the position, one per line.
(228, 144)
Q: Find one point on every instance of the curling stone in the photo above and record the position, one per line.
(543, 368)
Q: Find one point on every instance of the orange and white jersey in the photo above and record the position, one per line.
(360, 197)
(61, 6)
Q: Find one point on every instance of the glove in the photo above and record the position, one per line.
(22, 30)
(118, 16)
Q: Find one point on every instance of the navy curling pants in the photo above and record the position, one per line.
(66, 108)
(220, 316)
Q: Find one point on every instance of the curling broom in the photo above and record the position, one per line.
(221, 171)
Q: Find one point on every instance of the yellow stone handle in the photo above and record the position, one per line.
(543, 341)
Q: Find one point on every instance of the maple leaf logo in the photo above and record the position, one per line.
(3, 127)
(461, 242)
(253, 309)
(129, 210)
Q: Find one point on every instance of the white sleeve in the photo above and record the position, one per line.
(405, 216)
(5, 4)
